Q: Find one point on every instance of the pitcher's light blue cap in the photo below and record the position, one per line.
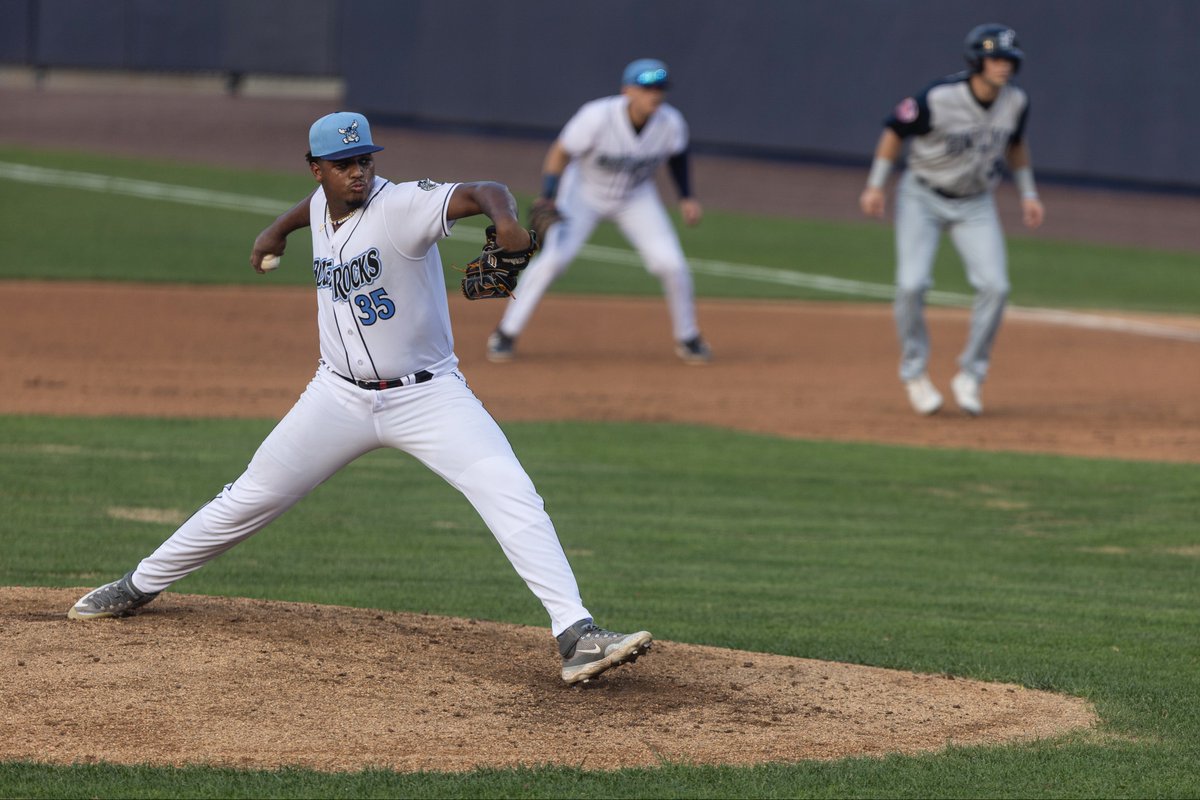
(342, 134)
(649, 72)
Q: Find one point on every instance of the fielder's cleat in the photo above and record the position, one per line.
(694, 351)
(500, 347)
(114, 599)
(923, 395)
(588, 650)
(966, 393)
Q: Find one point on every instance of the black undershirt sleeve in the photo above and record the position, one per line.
(678, 165)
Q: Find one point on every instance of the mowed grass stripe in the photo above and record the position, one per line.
(604, 254)
(1072, 575)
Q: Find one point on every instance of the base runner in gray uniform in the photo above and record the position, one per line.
(961, 129)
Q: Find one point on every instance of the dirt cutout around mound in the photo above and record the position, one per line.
(194, 679)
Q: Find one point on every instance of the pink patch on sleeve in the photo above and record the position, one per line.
(907, 110)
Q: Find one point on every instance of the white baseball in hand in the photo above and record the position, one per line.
(269, 262)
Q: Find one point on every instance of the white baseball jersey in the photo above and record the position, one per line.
(612, 158)
(958, 143)
(382, 311)
(383, 315)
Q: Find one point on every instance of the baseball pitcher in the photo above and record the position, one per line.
(388, 377)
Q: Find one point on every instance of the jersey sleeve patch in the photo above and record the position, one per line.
(910, 117)
(906, 110)
(427, 185)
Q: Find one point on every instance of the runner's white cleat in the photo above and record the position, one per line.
(923, 395)
(966, 393)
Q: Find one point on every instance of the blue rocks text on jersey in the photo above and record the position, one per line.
(637, 168)
(344, 279)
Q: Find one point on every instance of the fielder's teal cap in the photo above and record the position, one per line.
(342, 134)
(648, 72)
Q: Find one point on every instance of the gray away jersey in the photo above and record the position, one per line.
(958, 144)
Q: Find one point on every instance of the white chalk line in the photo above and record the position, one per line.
(208, 198)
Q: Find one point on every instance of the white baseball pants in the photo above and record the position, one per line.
(643, 221)
(439, 422)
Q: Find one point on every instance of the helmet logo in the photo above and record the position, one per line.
(349, 135)
(1004, 40)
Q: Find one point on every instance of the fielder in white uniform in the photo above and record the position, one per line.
(387, 377)
(962, 128)
(602, 167)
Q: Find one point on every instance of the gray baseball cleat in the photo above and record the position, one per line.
(588, 650)
(500, 347)
(114, 599)
(694, 351)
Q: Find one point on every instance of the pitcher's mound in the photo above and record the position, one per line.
(250, 683)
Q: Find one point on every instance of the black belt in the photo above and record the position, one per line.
(943, 193)
(407, 380)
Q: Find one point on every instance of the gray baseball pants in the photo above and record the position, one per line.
(974, 229)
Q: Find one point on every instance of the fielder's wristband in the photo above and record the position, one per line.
(550, 185)
(880, 169)
(1023, 177)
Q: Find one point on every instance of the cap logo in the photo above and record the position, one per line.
(651, 76)
(350, 134)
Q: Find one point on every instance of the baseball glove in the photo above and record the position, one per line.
(494, 272)
(542, 216)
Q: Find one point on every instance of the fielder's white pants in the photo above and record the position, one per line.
(439, 422)
(974, 228)
(643, 221)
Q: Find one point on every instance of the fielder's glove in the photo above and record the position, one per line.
(542, 216)
(494, 273)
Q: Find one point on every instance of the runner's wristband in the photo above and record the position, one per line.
(1023, 177)
(550, 185)
(880, 169)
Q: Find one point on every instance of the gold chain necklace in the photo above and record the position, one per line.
(335, 222)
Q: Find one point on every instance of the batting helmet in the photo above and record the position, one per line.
(992, 40)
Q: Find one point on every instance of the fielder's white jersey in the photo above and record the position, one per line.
(382, 311)
(958, 144)
(613, 159)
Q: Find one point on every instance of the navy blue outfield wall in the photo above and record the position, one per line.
(1112, 81)
(288, 37)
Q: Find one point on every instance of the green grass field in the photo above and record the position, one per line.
(1073, 575)
(101, 235)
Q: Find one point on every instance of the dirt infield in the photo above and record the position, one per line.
(794, 369)
(249, 683)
